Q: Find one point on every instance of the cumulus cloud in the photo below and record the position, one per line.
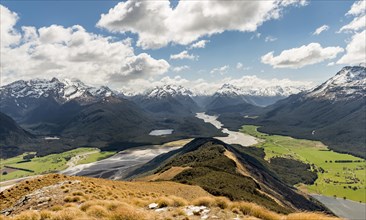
(355, 50)
(199, 44)
(356, 24)
(70, 52)
(221, 70)
(180, 68)
(302, 56)
(321, 29)
(157, 23)
(183, 55)
(358, 10)
(9, 36)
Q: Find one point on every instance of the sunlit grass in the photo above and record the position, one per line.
(336, 180)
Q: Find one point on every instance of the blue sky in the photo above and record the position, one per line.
(293, 29)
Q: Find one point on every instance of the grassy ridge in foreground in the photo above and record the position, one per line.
(340, 179)
(70, 198)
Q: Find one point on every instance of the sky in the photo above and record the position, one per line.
(135, 45)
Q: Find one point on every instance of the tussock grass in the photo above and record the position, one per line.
(204, 201)
(28, 215)
(97, 211)
(251, 209)
(309, 216)
(92, 199)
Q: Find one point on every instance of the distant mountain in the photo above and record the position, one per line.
(334, 112)
(230, 95)
(227, 170)
(26, 101)
(81, 115)
(167, 99)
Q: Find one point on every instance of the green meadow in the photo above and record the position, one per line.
(96, 156)
(339, 175)
(47, 164)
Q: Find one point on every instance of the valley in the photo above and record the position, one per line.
(339, 175)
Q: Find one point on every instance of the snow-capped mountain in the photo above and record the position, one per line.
(333, 112)
(61, 90)
(284, 91)
(167, 99)
(168, 90)
(348, 83)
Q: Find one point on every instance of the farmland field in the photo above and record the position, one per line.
(339, 175)
(9, 168)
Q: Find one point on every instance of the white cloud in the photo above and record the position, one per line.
(180, 68)
(357, 8)
(331, 64)
(256, 35)
(320, 29)
(221, 70)
(298, 57)
(355, 50)
(358, 23)
(199, 44)
(239, 66)
(183, 55)
(70, 52)
(270, 39)
(9, 36)
(140, 66)
(158, 24)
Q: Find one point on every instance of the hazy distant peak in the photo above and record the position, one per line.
(168, 90)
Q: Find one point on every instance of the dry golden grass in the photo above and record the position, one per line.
(204, 201)
(309, 216)
(166, 175)
(92, 199)
(251, 209)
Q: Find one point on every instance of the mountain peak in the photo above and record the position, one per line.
(62, 90)
(349, 82)
(168, 90)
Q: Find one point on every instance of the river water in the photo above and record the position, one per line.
(119, 165)
(343, 208)
(233, 137)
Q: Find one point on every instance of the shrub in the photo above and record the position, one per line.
(28, 215)
(222, 202)
(45, 214)
(205, 201)
(127, 213)
(178, 201)
(97, 211)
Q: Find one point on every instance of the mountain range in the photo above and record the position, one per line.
(333, 112)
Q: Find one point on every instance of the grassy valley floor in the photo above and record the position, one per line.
(339, 175)
(23, 165)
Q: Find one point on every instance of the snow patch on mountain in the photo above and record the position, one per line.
(62, 90)
(348, 83)
(168, 91)
(283, 91)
